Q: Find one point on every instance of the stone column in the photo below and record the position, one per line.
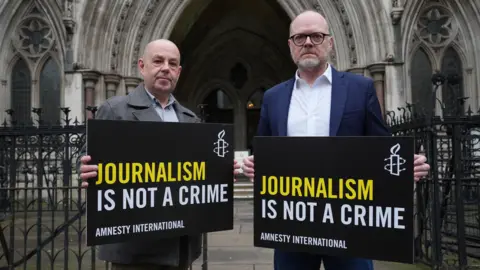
(131, 83)
(240, 126)
(111, 84)
(378, 75)
(4, 102)
(90, 79)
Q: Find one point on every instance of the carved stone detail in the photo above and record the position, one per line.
(378, 68)
(34, 36)
(131, 83)
(119, 33)
(111, 84)
(396, 15)
(152, 5)
(436, 26)
(68, 21)
(90, 78)
(340, 6)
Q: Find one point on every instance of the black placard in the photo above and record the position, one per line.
(312, 180)
(165, 179)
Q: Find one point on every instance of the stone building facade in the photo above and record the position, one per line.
(77, 53)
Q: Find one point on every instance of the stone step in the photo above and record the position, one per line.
(243, 190)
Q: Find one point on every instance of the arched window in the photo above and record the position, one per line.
(421, 82)
(33, 40)
(21, 93)
(219, 107)
(453, 91)
(50, 83)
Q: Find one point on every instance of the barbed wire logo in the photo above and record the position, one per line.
(395, 161)
(221, 145)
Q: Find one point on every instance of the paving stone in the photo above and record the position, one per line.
(239, 255)
(226, 267)
(230, 240)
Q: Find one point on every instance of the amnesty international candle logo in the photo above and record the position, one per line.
(221, 145)
(326, 200)
(149, 186)
(395, 162)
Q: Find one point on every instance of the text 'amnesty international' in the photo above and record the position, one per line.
(147, 173)
(323, 188)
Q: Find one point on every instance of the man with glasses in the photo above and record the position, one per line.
(320, 101)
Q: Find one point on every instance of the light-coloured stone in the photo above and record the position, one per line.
(111, 40)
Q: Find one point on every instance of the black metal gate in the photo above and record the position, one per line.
(41, 203)
(448, 203)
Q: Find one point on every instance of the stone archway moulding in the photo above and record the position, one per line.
(131, 24)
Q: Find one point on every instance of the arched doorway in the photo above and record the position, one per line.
(219, 107)
(240, 45)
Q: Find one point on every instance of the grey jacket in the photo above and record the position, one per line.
(138, 106)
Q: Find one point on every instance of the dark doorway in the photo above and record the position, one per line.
(219, 108)
(241, 45)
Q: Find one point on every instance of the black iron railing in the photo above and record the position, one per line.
(42, 207)
(447, 202)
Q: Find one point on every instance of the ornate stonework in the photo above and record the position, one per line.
(119, 34)
(152, 5)
(109, 36)
(436, 26)
(339, 4)
(33, 36)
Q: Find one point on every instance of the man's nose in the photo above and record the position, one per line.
(165, 67)
(308, 42)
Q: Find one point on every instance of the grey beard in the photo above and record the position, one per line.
(309, 63)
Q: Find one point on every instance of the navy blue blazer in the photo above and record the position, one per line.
(355, 110)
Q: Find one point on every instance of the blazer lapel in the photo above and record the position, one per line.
(339, 96)
(148, 114)
(183, 114)
(283, 106)
(143, 105)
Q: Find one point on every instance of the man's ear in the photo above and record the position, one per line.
(141, 65)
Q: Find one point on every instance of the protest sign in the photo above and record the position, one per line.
(340, 196)
(158, 179)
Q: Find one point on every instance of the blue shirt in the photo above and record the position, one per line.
(168, 113)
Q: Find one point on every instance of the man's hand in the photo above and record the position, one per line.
(248, 167)
(420, 167)
(236, 166)
(87, 171)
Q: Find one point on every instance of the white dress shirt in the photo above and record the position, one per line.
(309, 112)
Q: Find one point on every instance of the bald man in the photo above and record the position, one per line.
(320, 101)
(151, 101)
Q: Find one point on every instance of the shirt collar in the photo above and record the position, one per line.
(327, 74)
(171, 99)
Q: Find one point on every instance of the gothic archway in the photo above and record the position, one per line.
(239, 55)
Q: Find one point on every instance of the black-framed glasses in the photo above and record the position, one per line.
(316, 38)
